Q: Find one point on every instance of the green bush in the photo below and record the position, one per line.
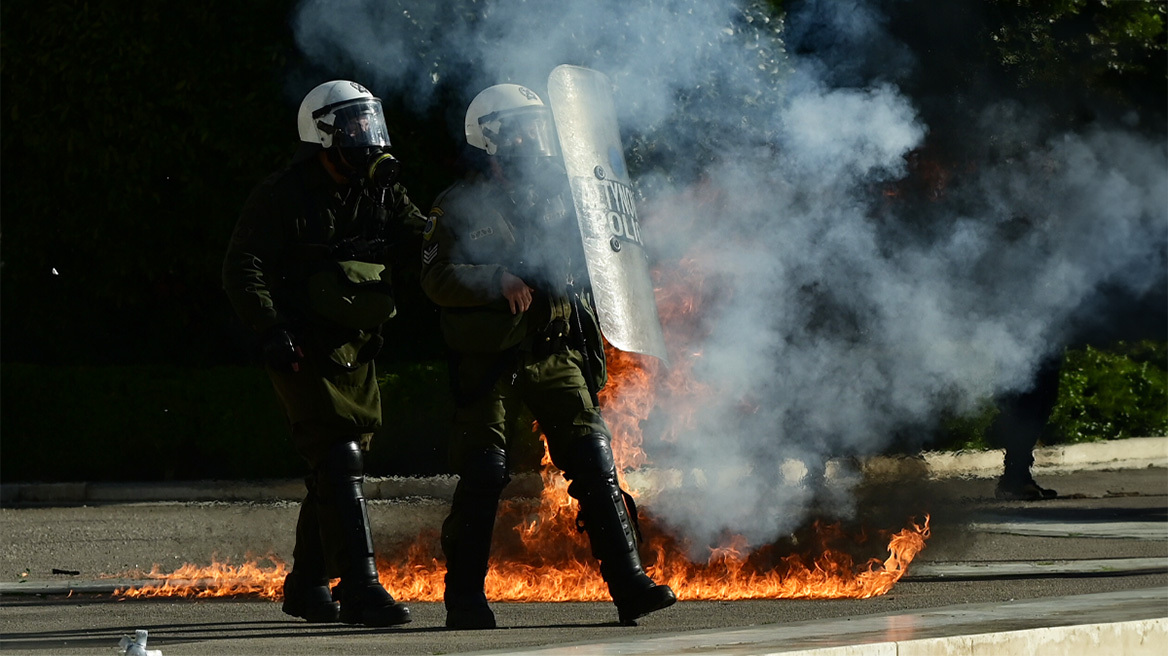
(1103, 394)
(1111, 394)
(969, 432)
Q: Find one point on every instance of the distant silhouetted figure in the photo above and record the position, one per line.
(1022, 422)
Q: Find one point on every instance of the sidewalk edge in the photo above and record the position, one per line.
(1130, 453)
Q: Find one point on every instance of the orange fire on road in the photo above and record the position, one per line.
(538, 555)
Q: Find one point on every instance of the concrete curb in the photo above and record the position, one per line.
(1134, 638)
(1132, 453)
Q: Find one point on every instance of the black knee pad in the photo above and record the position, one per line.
(484, 471)
(587, 457)
(342, 464)
(343, 458)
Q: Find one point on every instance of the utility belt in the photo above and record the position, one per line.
(548, 325)
(551, 339)
(509, 339)
(538, 344)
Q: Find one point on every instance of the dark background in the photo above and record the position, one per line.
(132, 132)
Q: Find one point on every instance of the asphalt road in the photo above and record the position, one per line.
(1112, 524)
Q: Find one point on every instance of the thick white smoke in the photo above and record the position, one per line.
(834, 322)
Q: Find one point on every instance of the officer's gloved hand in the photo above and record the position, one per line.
(371, 348)
(280, 350)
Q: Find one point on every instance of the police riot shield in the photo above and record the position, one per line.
(581, 102)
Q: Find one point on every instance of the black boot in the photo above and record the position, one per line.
(1016, 483)
(466, 539)
(306, 587)
(309, 599)
(612, 529)
(344, 522)
(1016, 486)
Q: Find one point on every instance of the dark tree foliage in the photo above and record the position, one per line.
(131, 134)
(1069, 62)
(1069, 65)
(1112, 48)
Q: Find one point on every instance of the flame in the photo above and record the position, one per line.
(554, 566)
(539, 555)
(929, 175)
(251, 579)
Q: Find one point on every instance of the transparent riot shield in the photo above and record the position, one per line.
(581, 101)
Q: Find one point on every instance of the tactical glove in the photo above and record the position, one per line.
(356, 248)
(280, 350)
(371, 348)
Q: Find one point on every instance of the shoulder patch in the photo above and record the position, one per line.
(431, 223)
(429, 253)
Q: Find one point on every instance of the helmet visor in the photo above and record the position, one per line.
(521, 132)
(360, 124)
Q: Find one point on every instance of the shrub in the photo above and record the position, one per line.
(1110, 394)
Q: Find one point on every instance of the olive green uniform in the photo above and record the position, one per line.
(476, 232)
(281, 271)
(548, 358)
(312, 257)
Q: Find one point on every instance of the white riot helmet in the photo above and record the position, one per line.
(511, 120)
(344, 114)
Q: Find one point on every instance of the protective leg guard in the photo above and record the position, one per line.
(466, 539)
(611, 529)
(306, 587)
(344, 522)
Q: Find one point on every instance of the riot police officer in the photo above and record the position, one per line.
(502, 257)
(308, 269)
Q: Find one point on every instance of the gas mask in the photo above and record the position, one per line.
(369, 166)
(539, 188)
(535, 177)
(362, 144)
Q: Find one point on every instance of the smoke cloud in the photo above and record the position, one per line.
(843, 306)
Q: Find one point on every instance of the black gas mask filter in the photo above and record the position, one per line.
(370, 166)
